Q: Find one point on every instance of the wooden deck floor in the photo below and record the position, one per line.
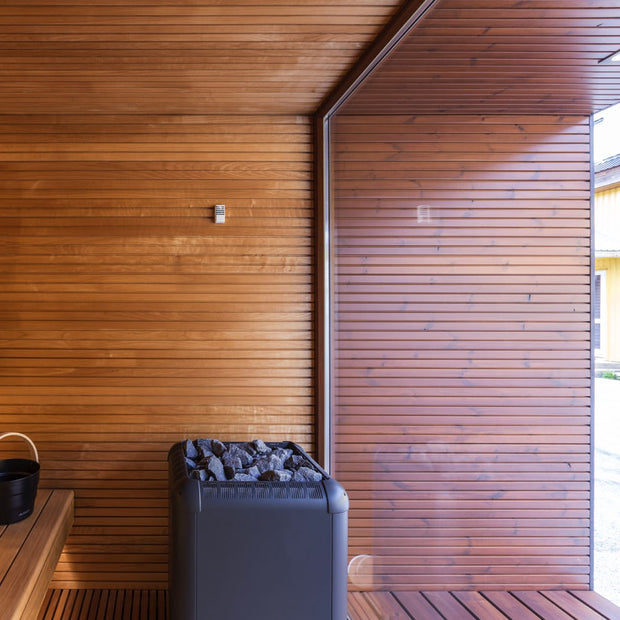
(491, 605)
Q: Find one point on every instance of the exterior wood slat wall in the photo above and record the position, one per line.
(462, 352)
(131, 321)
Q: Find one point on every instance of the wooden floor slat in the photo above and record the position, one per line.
(387, 606)
(572, 605)
(510, 605)
(598, 603)
(418, 606)
(405, 605)
(479, 606)
(360, 608)
(541, 605)
(104, 605)
(447, 605)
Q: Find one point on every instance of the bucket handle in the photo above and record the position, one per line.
(32, 446)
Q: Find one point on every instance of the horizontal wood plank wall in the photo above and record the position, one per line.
(462, 372)
(131, 321)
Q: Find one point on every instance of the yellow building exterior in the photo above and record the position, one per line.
(606, 297)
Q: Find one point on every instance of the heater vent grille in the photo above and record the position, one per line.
(262, 491)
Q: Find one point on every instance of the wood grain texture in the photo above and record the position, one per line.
(274, 57)
(434, 605)
(186, 57)
(499, 57)
(105, 604)
(131, 321)
(462, 372)
(29, 550)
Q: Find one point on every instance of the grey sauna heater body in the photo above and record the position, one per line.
(256, 550)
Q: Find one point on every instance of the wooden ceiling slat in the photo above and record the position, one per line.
(529, 10)
(234, 30)
(79, 14)
(500, 56)
(530, 4)
(200, 3)
(274, 56)
(186, 57)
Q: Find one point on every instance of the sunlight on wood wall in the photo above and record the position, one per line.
(462, 393)
(131, 321)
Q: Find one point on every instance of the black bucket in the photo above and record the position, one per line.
(18, 485)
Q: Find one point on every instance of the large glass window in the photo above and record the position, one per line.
(606, 345)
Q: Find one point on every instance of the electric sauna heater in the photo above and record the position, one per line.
(257, 531)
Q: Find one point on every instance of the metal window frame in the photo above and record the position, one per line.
(396, 29)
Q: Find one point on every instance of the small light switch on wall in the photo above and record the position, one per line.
(220, 214)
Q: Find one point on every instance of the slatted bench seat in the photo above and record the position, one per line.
(29, 552)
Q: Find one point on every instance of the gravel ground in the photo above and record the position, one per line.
(607, 489)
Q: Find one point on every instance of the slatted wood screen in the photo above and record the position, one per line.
(462, 372)
(131, 321)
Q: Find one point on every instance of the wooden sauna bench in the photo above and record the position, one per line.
(29, 552)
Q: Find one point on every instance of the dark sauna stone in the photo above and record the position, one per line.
(216, 468)
(214, 460)
(272, 462)
(279, 475)
(232, 461)
(204, 447)
(241, 454)
(244, 478)
(261, 447)
(190, 450)
(217, 447)
(294, 462)
(253, 471)
(305, 474)
(250, 449)
(283, 453)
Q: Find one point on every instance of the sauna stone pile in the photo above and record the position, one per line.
(211, 460)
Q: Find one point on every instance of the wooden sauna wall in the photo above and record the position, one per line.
(131, 321)
(462, 349)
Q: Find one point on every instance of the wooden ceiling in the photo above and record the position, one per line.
(284, 57)
(500, 57)
(180, 56)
